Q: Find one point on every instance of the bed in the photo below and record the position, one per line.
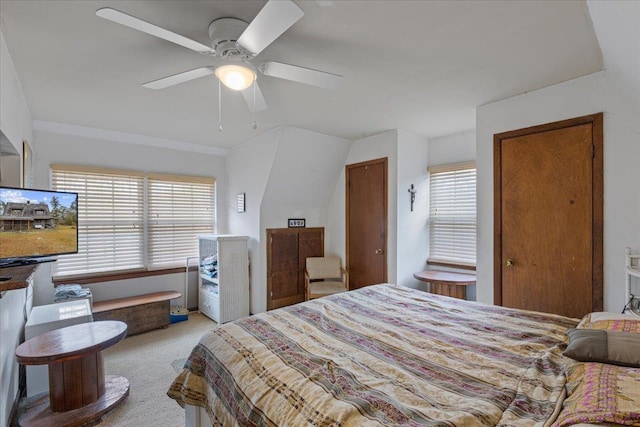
(390, 355)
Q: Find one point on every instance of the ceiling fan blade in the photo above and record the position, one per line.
(179, 78)
(300, 74)
(146, 27)
(261, 104)
(276, 17)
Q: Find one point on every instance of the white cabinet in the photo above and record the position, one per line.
(223, 291)
(632, 274)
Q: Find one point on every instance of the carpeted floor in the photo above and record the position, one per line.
(150, 362)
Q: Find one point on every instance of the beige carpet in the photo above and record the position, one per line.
(149, 361)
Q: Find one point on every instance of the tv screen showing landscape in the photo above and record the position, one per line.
(37, 223)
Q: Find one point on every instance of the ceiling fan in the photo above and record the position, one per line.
(236, 43)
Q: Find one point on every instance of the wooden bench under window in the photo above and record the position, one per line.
(141, 313)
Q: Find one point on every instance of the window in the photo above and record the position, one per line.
(452, 214)
(180, 208)
(130, 220)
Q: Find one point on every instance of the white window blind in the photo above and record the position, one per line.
(130, 220)
(452, 215)
(180, 208)
(110, 219)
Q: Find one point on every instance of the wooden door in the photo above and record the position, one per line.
(287, 250)
(548, 217)
(366, 206)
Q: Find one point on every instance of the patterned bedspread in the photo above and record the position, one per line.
(382, 355)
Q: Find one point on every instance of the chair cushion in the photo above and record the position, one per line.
(323, 268)
(326, 288)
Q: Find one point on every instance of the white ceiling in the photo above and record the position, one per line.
(420, 66)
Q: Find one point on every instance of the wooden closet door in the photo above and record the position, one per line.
(366, 222)
(548, 218)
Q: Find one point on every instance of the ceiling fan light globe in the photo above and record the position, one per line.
(235, 77)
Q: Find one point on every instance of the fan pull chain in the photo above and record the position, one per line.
(255, 124)
(219, 106)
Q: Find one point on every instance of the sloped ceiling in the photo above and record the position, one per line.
(617, 25)
(420, 66)
(307, 165)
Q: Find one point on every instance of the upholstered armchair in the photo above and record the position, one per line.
(324, 276)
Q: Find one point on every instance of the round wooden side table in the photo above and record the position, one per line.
(79, 390)
(447, 283)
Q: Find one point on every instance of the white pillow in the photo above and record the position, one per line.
(604, 315)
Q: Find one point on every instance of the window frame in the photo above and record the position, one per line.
(461, 170)
(146, 268)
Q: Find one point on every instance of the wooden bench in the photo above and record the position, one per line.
(141, 313)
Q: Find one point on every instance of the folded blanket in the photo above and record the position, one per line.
(70, 291)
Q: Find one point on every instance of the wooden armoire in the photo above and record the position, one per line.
(287, 251)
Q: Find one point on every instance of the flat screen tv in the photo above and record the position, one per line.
(36, 225)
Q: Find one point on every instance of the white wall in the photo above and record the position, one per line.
(15, 122)
(15, 117)
(616, 25)
(248, 168)
(66, 146)
(373, 147)
(454, 148)
(293, 174)
(10, 163)
(587, 95)
(412, 235)
(305, 169)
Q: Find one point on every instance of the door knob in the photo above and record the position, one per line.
(510, 262)
(378, 251)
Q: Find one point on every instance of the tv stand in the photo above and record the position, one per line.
(18, 277)
(17, 262)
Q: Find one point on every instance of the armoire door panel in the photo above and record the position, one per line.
(284, 252)
(310, 244)
(285, 284)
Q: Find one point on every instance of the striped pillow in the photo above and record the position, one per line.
(599, 393)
